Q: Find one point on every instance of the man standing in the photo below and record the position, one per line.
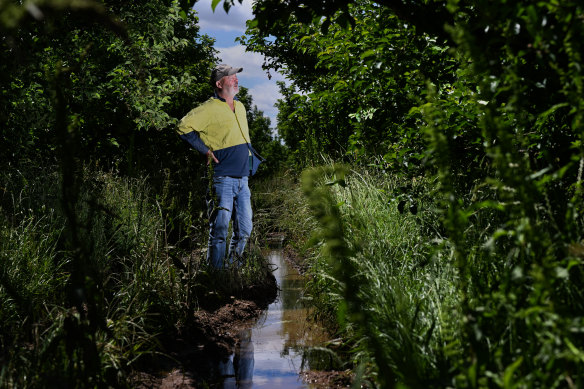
(218, 128)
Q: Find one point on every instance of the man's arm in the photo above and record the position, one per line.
(194, 140)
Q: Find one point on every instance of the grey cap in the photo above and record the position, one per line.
(221, 71)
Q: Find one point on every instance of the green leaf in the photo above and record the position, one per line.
(509, 371)
(367, 54)
(575, 350)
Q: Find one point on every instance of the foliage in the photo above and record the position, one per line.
(395, 293)
(364, 81)
(274, 16)
(101, 203)
(93, 343)
(496, 110)
(280, 207)
(523, 219)
(143, 78)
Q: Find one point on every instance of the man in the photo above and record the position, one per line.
(218, 128)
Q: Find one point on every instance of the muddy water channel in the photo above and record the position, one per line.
(281, 344)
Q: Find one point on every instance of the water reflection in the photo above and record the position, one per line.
(272, 353)
(238, 369)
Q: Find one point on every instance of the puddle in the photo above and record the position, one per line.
(278, 347)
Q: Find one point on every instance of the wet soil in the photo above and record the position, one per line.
(295, 260)
(188, 358)
(328, 379)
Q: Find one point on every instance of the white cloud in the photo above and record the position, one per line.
(250, 62)
(264, 96)
(219, 20)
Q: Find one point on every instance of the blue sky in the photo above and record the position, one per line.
(225, 28)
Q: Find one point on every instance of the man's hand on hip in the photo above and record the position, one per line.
(211, 156)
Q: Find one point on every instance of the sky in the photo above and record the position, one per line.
(225, 28)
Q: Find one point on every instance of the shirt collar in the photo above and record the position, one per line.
(215, 95)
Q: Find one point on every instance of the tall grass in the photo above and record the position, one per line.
(136, 284)
(45, 337)
(381, 276)
(393, 283)
(422, 307)
(279, 206)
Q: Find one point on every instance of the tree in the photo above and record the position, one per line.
(359, 83)
(142, 79)
(499, 99)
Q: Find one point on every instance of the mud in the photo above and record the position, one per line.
(188, 358)
(328, 379)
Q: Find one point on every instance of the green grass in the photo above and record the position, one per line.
(382, 278)
(420, 306)
(390, 281)
(279, 206)
(84, 315)
(129, 284)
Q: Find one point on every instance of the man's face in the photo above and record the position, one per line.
(229, 85)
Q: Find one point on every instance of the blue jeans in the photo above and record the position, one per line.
(230, 200)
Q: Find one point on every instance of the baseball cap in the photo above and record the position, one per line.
(221, 71)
